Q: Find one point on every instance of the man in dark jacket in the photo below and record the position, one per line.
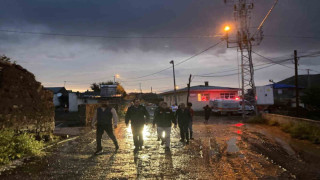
(138, 115)
(103, 116)
(207, 113)
(183, 116)
(164, 119)
(189, 106)
(156, 113)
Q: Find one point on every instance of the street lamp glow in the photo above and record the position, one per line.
(227, 28)
(117, 76)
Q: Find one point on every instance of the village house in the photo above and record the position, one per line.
(200, 95)
(60, 96)
(284, 92)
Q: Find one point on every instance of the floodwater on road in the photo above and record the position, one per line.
(225, 148)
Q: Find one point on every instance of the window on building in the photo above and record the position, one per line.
(227, 95)
(203, 97)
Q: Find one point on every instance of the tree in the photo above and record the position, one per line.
(5, 58)
(96, 87)
(312, 96)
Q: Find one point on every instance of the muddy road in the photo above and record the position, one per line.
(225, 148)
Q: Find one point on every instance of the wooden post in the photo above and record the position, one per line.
(296, 81)
(189, 89)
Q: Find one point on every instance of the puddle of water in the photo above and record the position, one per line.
(286, 146)
(237, 125)
(232, 145)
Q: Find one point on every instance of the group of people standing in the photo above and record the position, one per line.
(164, 117)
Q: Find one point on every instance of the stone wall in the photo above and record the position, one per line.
(24, 104)
(281, 119)
(90, 110)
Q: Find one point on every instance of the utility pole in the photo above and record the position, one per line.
(296, 81)
(174, 83)
(140, 88)
(64, 85)
(309, 83)
(189, 88)
(151, 89)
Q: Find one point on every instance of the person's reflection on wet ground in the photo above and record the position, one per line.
(166, 165)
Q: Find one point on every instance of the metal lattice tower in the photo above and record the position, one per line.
(244, 42)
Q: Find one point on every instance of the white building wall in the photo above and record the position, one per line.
(56, 101)
(193, 98)
(73, 102)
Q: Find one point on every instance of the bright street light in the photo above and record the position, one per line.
(227, 28)
(114, 78)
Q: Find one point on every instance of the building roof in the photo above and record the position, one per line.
(281, 86)
(55, 90)
(89, 94)
(200, 88)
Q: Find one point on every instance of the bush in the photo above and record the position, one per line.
(257, 119)
(273, 123)
(122, 111)
(286, 127)
(14, 146)
(305, 131)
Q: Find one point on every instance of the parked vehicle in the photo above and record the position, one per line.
(151, 109)
(230, 106)
(224, 106)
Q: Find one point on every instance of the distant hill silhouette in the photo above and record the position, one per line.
(303, 80)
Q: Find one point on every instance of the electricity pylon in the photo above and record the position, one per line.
(243, 42)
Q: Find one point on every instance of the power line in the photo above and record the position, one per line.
(236, 69)
(183, 61)
(198, 53)
(141, 37)
(108, 37)
(269, 65)
(298, 37)
(277, 62)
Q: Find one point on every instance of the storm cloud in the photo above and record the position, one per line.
(180, 29)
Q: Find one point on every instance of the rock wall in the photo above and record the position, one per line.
(24, 104)
(281, 119)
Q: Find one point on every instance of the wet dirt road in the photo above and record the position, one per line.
(223, 149)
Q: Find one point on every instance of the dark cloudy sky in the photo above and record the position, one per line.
(81, 60)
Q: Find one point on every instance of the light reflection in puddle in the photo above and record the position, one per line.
(146, 131)
(237, 125)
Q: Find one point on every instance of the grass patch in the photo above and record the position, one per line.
(257, 120)
(273, 123)
(305, 131)
(300, 130)
(15, 146)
